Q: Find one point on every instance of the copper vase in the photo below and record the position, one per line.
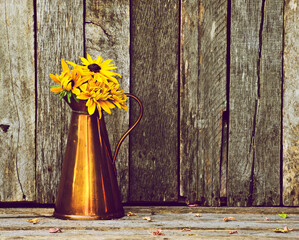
(88, 187)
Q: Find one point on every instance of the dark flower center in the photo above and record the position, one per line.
(94, 68)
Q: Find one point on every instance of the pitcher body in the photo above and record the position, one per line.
(88, 188)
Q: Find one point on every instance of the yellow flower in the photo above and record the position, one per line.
(97, 97)
(97, 68)
(92, 81)
(68, 81)
(118, 97)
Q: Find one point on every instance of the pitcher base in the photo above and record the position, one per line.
(89, 217)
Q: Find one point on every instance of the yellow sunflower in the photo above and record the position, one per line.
(101, 70)
(68, 82)
(97, 97)
(118, 97)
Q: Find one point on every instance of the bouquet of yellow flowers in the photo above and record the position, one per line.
(93, 81)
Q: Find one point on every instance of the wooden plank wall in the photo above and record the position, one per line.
(291, 105)
(218, 84)
(255, 103)
(59, 34)
(17, 102)
(154, 69)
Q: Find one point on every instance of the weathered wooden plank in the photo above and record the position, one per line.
(213, 51)
(17, 101)
(291, 104)
(154, 78)
(267, 180)
(171, 221)
(202, 99)
(59, 35)
(190, 183)
(255, 103)
(107, 28)
(155, 210)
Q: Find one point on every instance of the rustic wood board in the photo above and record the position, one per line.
(213, 47)
(255, 104)
(17, 101)
(107, 33)
(203, 100)
(170, 220)
(190, 183)
(154, 79)
(267, 165)
(291, 104)
(59, 35)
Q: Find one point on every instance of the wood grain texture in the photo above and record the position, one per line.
(17, 101)
(255, 103)
(213, 47)
(154, 79)
(291, 105)
(249, 223)
(59, 35)
(107, 28)
(190, 132)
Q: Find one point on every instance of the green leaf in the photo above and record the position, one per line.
(69, 94)
(75, 97)
(62, 94)
(283, 215)
(55, 86)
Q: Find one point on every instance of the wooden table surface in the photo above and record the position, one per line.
(250, 223)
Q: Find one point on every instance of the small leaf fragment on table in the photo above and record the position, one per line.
(131, 214)
(193, 205)
(233, 232)
(149, 219)
(158, 232)
(284, 230)
(197, 215)
(283, 215)
(287, 229)
(267, 219)
(55, 230)
(186, 229)
(34, 220)
(226, 219)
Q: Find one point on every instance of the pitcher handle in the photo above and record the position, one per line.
(131, 128)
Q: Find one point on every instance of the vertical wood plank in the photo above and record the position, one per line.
(266, 190)
(154, 79)
(213, 49)
(108, 34)
(291, 104)
(17, 111)
(255, 103)
(190, 132)
(59, 35)
(202, 99)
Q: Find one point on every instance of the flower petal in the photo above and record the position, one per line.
(84, 61)
(89, 58)
(65, 67)
(105, 107)
(55, 78)
(56, 90)
(91, 108)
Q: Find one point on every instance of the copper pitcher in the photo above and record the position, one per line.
(88, 186)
